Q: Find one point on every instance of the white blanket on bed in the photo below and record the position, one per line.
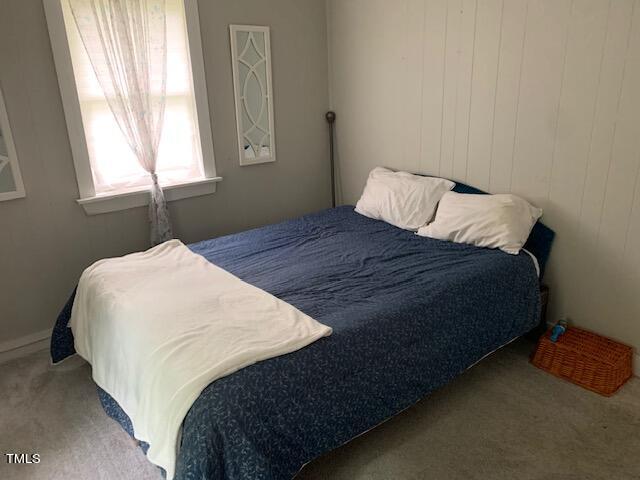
(159, 326)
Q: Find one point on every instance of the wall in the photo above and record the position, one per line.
(46, 240)
(538, 97)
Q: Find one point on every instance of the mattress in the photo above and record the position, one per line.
(408, 314)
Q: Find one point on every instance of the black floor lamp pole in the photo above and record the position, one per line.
(331, 119)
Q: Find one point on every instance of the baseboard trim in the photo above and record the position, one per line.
(22, 346)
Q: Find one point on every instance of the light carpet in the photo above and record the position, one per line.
(503, 419)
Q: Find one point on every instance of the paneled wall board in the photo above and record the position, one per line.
(488, 40)
(451, 86)
(465, 53)
(582, 70)
(621, 180)
(433, 76)
(603, 127)
(536, 97)
(543, 61)
(508, 80)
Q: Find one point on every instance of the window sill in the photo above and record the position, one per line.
(140, 197)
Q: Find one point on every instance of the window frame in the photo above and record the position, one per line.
(135, 197)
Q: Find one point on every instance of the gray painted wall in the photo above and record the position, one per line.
(536, 97)
(46, 240)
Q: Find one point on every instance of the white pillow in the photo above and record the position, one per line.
(493, 221)
(400, 198)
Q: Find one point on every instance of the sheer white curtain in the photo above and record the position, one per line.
(126, 42)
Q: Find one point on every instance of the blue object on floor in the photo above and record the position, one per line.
(408, 313)
(558, 330)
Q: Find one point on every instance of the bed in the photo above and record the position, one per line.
(408, 315)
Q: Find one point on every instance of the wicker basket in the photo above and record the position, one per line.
(586, 359)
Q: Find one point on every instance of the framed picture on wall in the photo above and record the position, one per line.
(11, 186)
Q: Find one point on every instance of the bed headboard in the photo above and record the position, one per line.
(540, 239)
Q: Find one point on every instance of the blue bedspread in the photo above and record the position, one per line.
(408, 315)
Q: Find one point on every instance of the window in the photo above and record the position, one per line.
(109, 177)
